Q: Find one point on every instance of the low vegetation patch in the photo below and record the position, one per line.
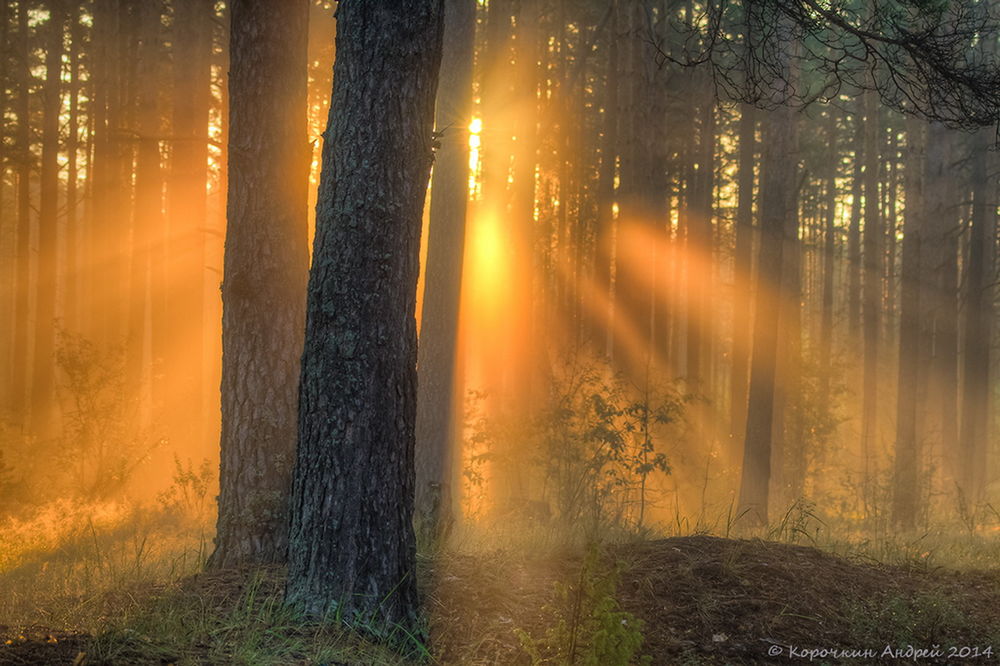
(681, 600)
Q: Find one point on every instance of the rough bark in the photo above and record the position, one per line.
(265, 268)
(351, 540)
(437, 350)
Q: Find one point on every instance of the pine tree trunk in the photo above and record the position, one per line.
(43, 397)
(21, 383)
(854, 228)
(872, 297)
(188, 209)
(777, 183)
(829, 267)
(71, 272)
(907, 458)
(976, 343)
(700, 241)
(265, 268)
(743, 294)
(603, 331)
(351, 541)
(435, 427)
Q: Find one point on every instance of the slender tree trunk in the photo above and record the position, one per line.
(829, 267)
(907, 459)
(188, 209)
(641, 200)
(435, 427)
(978, 315)
(71, 276)
(788, 455)
(777, 183)
(872, 294)
(44, 410)
(8, 278)
(351, 541)
(497, 92)
(940, 219)
(603, 330)
(263, 290)
(854, 230)
(20, 404)
(743, 293)
(700, 242)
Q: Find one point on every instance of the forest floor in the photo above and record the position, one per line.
(695, 600)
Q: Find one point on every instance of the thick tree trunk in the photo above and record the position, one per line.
(351, 540)
(437, 351)
(263, 290)
(777, 184)
(43, 396)
(907, 459)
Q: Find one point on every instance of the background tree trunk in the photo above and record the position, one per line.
(777, 184)
(263, 291)
(907, 460)
(437, 350)
(44, 408)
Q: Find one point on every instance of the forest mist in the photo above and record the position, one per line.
(653, 274)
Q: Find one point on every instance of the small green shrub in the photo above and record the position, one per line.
(590, 628)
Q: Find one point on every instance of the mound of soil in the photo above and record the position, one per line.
(701, 600)
(708, 600)
(713, 600)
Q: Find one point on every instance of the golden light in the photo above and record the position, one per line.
(475, 141)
